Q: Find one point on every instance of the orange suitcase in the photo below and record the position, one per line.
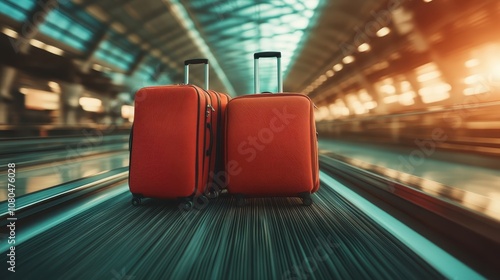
(271, 143)
(174, 140)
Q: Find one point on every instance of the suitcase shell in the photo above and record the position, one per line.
(271, 143)
(174, 143)
(171, 138)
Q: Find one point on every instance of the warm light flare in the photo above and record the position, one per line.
(37, 44)
(364, 47)
(348, 59)
(429, 76)
(435, 93)
(391, 99)
(384, 31)
(9, 32)
(90, 104)
(36, 99)
(388, 89)
(338, 67)
(471, 63)
(128, 112)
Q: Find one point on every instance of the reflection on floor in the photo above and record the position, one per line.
(477, 187)
(269, 238)
(32, 179)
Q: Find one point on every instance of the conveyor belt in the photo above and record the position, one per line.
(27, 155)
(265, 239)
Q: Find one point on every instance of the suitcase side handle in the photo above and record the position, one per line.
(256, 57)
(210, 146)
(196, 61)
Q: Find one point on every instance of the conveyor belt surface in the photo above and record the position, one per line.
(266, 239)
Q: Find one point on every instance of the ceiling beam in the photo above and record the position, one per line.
(140, 25)
(233, 12)
(191, 27)
(137, 61)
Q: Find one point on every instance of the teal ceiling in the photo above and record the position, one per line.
(148, 40)
(234, 30)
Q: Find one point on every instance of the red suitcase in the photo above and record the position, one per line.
(271, 147)
(174, 139)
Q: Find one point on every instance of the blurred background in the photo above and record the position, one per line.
(407, 91)
(387, 73)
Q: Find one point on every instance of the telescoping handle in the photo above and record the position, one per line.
(256, 57)
(195, 61)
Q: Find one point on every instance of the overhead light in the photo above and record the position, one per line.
(427, 1)
(9, 32)
(348, 59)
(128, 112)
(391, 99)
(39, 99)
(36, 43)
(364, 96)
(329, 73)
(429, 76)
(54, 87)
(384, 31)
(118, 27)
(90, 104)
(97, 67)
(54, 50)
(41, 45)
(407, 98)
(473, 79)
(395, 56)
(322, 78)
(364, 47)
(469, 91)
(338, 67)
(388, 89)
(156, 53)
(435, 93)
(471, 63)
(370, 105)
(359, 108)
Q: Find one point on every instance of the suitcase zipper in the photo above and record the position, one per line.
(209, 106)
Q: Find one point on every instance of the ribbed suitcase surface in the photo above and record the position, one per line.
(170, 138)
(271, 142)
(271, 145)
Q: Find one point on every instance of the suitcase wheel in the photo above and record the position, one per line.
(212, 192)
(187, 205)
(306, 199)
(136, 201)
(240, 200)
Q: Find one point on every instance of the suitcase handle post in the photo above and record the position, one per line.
(256, 57)
(195, 61)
